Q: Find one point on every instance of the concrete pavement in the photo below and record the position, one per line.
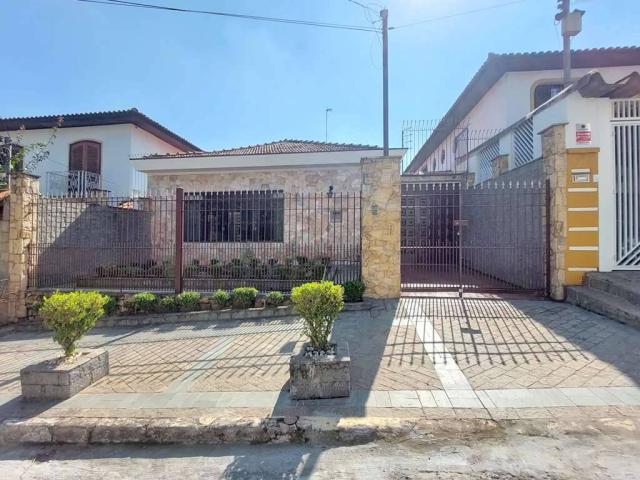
(419, 358)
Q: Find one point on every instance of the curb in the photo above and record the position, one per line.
(294, 429)
(243, 430)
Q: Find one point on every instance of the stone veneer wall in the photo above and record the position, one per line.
(310, 228)
(381, 226)
(345, 178)
(24, 190)
(4, 256)
(554, 154)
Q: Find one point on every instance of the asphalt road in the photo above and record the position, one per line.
(516, 457)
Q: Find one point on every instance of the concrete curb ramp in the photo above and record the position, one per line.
(320, 430)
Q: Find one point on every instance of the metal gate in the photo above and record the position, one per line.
(491, 237)
(626, 140)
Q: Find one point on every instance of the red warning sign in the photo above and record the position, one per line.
(583, 133)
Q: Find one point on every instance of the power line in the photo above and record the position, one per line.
(366, 7)
(125, 3)
(460, 14)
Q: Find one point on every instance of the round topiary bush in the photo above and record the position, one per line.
(244, 297)
(318, 303)
(274, 299)
(168, 304)
(221, 298)
(188, 301)
(144, 302)
(353, 291)
(71, 315)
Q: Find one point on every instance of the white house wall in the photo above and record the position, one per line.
(509, 100)
(115, 141)
(143, 143)
(119, 143)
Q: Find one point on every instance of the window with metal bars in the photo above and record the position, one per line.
(253, 216)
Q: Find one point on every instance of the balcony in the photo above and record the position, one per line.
(77, 183)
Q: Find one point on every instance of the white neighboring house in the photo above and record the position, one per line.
(503, 91)
(91, 151)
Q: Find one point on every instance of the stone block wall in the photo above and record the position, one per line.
(4, 257)
(381, 226)
(22, 218)
(554, 154)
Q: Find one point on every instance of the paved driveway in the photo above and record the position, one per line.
(418, 352)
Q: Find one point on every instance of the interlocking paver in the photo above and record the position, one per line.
(236, 356)
(502, 344)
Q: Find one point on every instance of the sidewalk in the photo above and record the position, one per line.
(443, 360)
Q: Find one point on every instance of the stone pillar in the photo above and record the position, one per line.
(22, 221)
(554, 157)
(499, 165)
(381, 226)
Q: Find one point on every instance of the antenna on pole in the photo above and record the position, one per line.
(326, 123)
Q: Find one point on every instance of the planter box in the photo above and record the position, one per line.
(59, 380)
(328, 376)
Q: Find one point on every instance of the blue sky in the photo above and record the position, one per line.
(222, 82)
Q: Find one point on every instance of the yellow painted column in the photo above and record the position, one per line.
(583, 234)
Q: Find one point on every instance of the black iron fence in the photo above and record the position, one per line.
(272, 240)
(440, 145)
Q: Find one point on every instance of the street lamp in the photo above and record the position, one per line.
(326, 123)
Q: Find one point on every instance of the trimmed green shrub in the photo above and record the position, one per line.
(353, 290)
(168, 304)
(188, 301)
(144, 302)
(318, 303)
(70, 315)
(221, 298)
(274, 299)
(244, 297)
(111, 305)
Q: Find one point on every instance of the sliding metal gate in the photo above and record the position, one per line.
(626, 140)
(491, 237)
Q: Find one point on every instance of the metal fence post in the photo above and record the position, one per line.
(179, 238)
(547, 240)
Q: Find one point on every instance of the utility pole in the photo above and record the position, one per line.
(571, 26)
(326, 123)
(564, 6)
(384, 15)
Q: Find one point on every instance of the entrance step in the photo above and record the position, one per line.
(605, 303)
(621, 284)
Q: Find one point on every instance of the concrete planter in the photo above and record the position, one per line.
(328, 376)
(59, 380)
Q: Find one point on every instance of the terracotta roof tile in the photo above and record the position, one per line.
(113, 117)
(277, 148)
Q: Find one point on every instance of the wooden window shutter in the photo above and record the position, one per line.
(75, 156)
(85, 156)
(92, 157)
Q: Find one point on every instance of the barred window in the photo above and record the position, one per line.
(253, 216)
